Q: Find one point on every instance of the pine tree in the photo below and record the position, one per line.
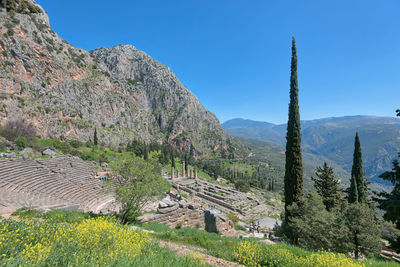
(357, 173)
(364, 230)
(327, 186)
(294, 167)
(95, 140)
(390, 202)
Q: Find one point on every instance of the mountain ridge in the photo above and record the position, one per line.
(333, 138)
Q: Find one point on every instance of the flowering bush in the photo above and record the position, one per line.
(100, 241)
(256, 254)
(250, 253)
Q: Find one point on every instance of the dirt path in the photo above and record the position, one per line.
(198, 253)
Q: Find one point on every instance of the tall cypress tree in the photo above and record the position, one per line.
(173, 159)
(353, 191)
(294, 166)
(358, 186)
(95, 141)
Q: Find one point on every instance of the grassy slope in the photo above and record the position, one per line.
(27, 240)
(224, 247)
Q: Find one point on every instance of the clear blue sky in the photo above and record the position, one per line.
(235, 55)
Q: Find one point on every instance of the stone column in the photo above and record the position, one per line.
(177, 173)
(183, 169)
(172, 173)
(191, 172)
(195, 173)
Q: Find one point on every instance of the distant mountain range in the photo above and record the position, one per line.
(332, 139)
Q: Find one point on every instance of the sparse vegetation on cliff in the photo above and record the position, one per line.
(20, 6)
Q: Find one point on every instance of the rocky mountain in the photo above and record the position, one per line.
(333, 139)
(67, 92)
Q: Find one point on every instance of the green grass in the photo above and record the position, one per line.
(223, 247)
(161, 257)
(240, 228)
(378, 261)
(56, 216)
(216, 245)
(67, 216)
(26, 213)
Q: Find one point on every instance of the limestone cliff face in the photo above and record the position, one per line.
(67, 92)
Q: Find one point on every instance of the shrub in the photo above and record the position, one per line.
(233, 217)
(18, 128)
(240, 228)
(242, 185)
(103, 158)
(3, 146)
(75, 143)
(10, 32)
(21, 142)
(37, 145)
(255, 254)
(179, 225)
(136, 182)
(250, 254)
(26, 213)
(66, 148)
(94, 242)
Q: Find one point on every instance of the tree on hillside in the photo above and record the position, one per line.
(294, 166)
(145, 152)
(316, 227)
(173, 159)
(95, 140)
(353, 191)
(358, 188)
(364, 229)
(136, 182)
(390, 202)
(14, 129)
(293, 180)
(327, 187)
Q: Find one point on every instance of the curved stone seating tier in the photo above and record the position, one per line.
(11, 201)
(60, 182)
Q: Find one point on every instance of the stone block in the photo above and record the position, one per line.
(167, 210)
(183, 204)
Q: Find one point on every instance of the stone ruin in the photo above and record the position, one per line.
(60, 182)
(226, 199)
(191, 173)
(175, 211)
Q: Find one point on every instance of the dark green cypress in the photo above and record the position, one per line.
(95, 141)
(357, 173)
(294, 166)
(173, 159)
(353, 191)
